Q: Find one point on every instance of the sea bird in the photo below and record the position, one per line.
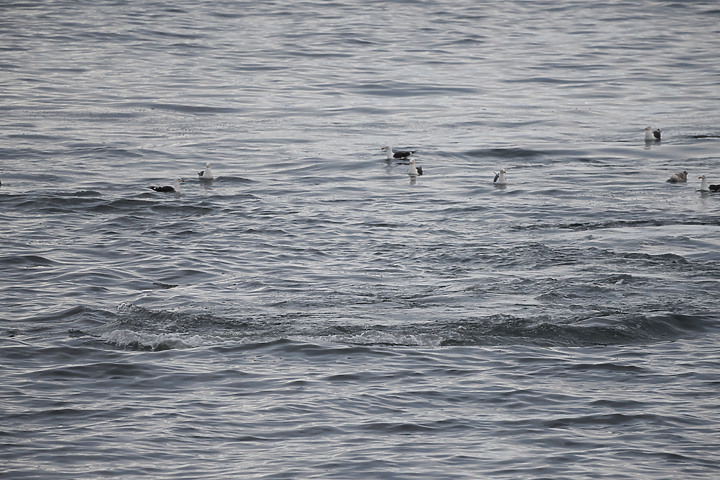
(206, 174)
(399, 154)
(500, 178)
(652, 135)
(678, 177)
(170, 189)
(414, 171)
(704, 187)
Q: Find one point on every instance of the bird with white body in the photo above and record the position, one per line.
(706, 187)
(399, 154)
(414, 171)
(652, 135)
(206, 174)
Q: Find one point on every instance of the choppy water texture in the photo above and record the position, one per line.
(314, 312)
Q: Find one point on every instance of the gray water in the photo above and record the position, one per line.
(314, 312)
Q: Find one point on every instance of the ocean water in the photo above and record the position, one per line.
(314, 312)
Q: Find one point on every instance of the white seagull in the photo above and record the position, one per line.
(707, 188)
(414, 171)
(399, 154)
(652, 135)
(500, 178)
(206, 174)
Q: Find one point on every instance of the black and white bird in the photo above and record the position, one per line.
(206, 174)
(652, 135)
(414, 171)
(175, 188)
(705, 187)
(500, 178)
(678, 177)
(399, 154)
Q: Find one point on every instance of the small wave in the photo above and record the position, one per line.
(131, 340)
(612, 224)
(614, 329)
(56, 202)
(141, 328)
(402, 89)
(184, 108)
(26, 261)
(82, 194)
(662, 258)
(508, 153)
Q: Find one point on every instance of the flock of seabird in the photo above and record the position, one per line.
(652, 135)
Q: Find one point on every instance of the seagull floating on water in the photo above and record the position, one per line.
(500, 178)
(678, 177)
(206, 174)
(399, 154)
(707, 188)
(652, 135)
(170, 189)
(414, 171)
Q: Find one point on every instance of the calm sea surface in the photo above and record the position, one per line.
(314, 312)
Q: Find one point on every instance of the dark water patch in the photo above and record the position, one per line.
(619, 224)
(609, 368)
(183, 210)
(404, 89)
(616, 329)
(705, 136)
(127, 206)
(95, 371)
(663, 258)
(607, 420)
(185, 108)
(26, 261)
(77, 315)
(508, 153)
(61, 204)
(82, 194)
(33, 136)
(95, 151)
(184, 35)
